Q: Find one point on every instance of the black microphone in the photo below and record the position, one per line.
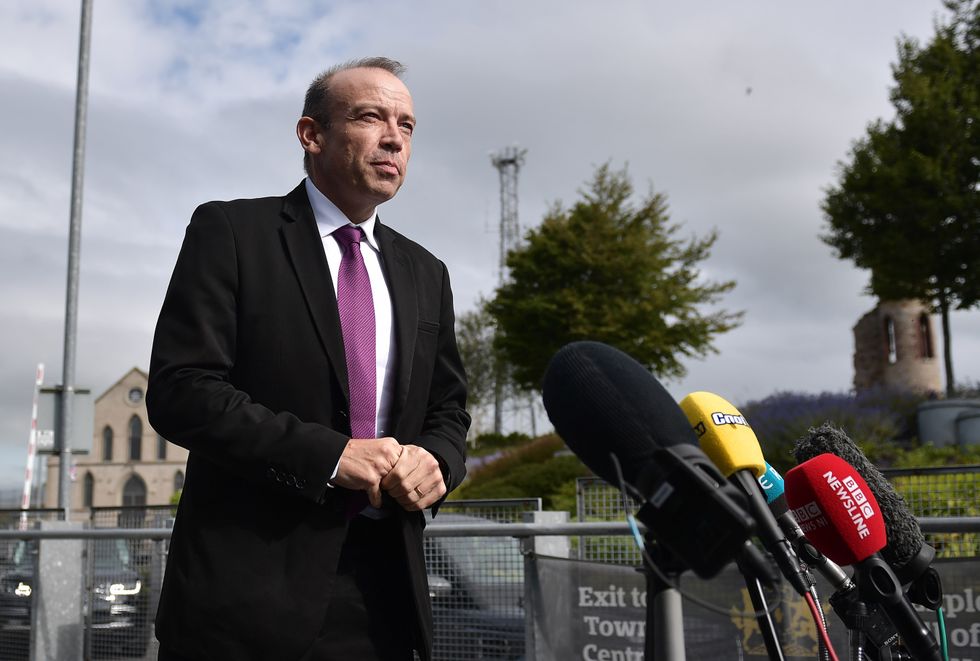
(604, 404)
(907, 552)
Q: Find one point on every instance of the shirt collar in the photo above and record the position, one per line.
(329, 218)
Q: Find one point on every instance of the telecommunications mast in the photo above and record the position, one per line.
(508, 162)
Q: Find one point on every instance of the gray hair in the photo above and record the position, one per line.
(317, 101)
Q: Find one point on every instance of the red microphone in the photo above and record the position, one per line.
(835, 509)
(839, 515)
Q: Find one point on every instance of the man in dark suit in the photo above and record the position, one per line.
(305, 355)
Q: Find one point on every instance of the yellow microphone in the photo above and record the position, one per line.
(724, 434)
(731, 444)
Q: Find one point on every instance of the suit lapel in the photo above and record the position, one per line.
(401, 285)
(305, 249)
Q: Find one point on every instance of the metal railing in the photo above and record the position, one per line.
(477, 565)
(143, 516)
(124, 550)
(941, 492)
(502, 510)
(595, 501)
(477, 583)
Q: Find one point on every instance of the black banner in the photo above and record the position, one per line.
(597, 612)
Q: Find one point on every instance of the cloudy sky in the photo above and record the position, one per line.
(738, 112)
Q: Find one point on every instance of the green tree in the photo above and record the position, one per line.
(474, 337)
(609, 270)
(907, 203)
(487, 373)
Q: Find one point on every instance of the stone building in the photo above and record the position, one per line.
(130, 464)
(894, 347)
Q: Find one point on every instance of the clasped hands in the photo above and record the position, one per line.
(408, 473)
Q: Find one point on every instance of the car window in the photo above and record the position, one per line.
(486, 560)
(21, 555)
(18, 555)
(110, 554)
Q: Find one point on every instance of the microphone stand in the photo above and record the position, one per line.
(871, 635)
(665, 619)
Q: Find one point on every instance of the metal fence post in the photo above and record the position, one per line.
(557, 547)
(530, 579)
(57, 618)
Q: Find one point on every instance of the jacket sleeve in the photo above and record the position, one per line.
(446, 420)
(191, 399)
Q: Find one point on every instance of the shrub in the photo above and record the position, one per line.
(944, 494)
(490, 442)
(537, 470)
(930, 455)
(564, 498)
(968, 390)
(875, 419)
(545, 480)
(537, 450)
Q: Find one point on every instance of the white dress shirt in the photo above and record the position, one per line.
(329, 218)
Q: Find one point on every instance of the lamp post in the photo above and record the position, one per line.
(64, 421)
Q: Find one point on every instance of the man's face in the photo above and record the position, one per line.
(363, 155)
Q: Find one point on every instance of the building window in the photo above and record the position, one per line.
(925, 337)
(135, 438)
(891, 344)
(134, 493)
(178, 480)
(107, 443)
(161, 447)
(88, 490)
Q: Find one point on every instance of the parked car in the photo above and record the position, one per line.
(477, 590)
(118, 617)
(116, 612)
(16, 590)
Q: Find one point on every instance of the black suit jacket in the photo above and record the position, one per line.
(248, 373)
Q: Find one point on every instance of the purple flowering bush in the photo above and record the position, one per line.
(880, 421)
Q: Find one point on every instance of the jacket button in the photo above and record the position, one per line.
(343, 414)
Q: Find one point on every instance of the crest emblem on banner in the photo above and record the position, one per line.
(793, 622)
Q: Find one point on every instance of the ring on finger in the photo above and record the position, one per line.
(420, 494)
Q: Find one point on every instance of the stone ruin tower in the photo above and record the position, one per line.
(894, 347)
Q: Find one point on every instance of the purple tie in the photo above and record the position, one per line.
(356, 307)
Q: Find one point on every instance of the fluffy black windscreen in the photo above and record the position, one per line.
(902, 530)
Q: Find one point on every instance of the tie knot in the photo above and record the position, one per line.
(348, 235)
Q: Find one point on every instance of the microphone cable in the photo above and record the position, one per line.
(819, 622)
(625, 492)
(943, 643)
(822, 651)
